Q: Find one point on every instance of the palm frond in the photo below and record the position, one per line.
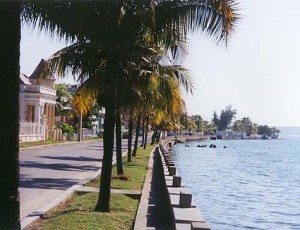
(216, 17)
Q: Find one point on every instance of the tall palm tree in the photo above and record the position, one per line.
(117, 29)
(119, 141)
(10, 29)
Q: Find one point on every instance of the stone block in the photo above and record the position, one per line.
(176, 190)
(169, 183)
(187, 215)
(172, 170)
(166, 172)
(171, 163)
(174, 198)
(185, 200)
(167, 159)
(200, 226)
(170, 178)
(183, 226)
(176, 181)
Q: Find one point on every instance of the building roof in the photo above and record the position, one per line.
(23, 79)
(42, 71)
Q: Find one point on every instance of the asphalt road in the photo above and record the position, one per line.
(47, 172)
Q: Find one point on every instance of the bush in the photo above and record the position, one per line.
(66, 128)
(100, 133)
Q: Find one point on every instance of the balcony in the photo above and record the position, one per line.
(37, 89)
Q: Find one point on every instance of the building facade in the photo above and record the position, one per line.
(37, 100)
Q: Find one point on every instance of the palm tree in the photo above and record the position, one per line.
(119, 141)
(130, 132)
(117, 30)
(10, 29)
(137, 129)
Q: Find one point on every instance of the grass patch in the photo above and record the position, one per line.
(134, 172)
(37, 143)
(78, 212)
(46, 142)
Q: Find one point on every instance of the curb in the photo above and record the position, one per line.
(140, 222)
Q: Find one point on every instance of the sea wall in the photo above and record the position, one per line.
(185, 214)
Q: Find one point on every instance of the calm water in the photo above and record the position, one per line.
(251, 184)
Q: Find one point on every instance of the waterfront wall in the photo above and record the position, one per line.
(185, 214)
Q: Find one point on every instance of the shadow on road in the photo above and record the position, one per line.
(47, 183)
(80, 158)
(57, 166)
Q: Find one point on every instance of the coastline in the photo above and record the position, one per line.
(186, 138)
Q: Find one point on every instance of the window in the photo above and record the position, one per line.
(30, 113)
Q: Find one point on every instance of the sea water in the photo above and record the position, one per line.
(244, 184)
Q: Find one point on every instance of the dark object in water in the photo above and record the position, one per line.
(213, 138)
(225, 147)
(201, 146)
(212, 146)
(187, 146)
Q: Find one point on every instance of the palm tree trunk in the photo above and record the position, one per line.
(146, 132)
(119, 143)
(10, 30)
(103, 204)
(154, 135)
(143, 128)
(137, 134)
(79, 137)
(130, 134)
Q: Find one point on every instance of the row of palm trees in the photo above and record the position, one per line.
(126, 53)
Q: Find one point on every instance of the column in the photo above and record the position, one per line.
(22, 113)
(46, 113)
(52, 116)
(37, 113)
(46, 120)
(49, 117)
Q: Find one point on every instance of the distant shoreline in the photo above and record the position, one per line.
(187, 138)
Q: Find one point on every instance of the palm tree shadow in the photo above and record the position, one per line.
(47, 183)
(65, 212)
(59, 166)
(80, 158)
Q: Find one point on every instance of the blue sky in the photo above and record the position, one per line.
(257, 73)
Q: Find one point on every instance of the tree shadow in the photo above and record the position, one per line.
(58, 166)
(80, 158)
(47, 183)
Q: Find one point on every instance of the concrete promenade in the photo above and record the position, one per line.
(165, 202)
(154, 209)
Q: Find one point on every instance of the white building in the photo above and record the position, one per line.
(37, 101)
